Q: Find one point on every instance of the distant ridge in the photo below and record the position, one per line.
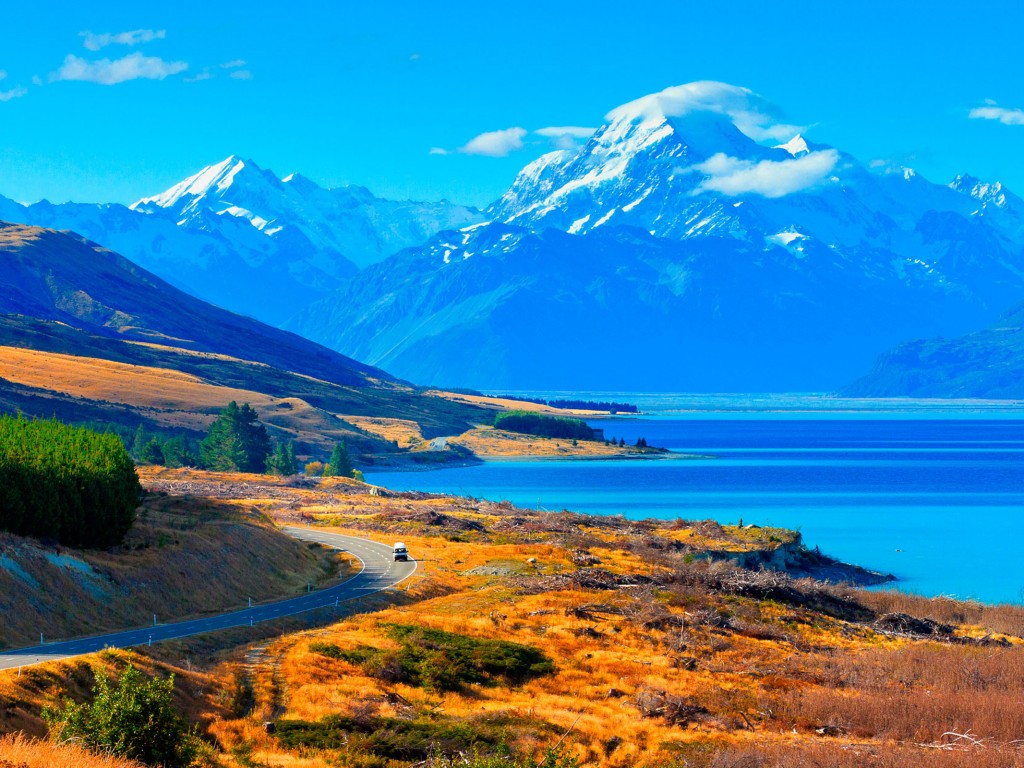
(984, 364)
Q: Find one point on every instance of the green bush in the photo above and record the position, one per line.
(67, 483)
(134, 718)
(444, 661)
(529, 423)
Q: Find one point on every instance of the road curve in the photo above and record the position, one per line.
(379, 572)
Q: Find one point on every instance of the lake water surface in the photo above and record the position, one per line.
(931, 493)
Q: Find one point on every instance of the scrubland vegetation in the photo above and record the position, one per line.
(636, 643)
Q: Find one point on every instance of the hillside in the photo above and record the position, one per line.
(681, 248)
(230, 547)
(107, 335)
(985, 364)
(649, 643)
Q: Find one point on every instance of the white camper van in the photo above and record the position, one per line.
(401, 553)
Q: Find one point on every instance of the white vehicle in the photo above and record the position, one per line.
(401, 553)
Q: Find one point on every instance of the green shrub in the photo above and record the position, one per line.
(68, 483)
(134, 718)
(444, 661)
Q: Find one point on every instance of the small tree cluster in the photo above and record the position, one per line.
(282, 461)
(236, 442)
(174, 451)
(340, 464)
(527, 422)
(68, 483)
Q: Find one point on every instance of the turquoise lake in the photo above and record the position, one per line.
(933, 493)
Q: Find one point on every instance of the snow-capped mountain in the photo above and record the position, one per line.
(692, 243)
(236, 235)
(347, 220)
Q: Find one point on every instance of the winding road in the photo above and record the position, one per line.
(379, 572)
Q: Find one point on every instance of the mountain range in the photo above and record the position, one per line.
(675, 251)
(692, 243)
(237, 235)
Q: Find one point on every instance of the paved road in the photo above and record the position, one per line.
(379, 572)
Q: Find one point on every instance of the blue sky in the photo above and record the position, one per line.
(354, 93)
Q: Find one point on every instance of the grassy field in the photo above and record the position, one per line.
(658, 650)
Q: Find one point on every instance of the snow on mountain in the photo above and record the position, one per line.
(236, 235)
(347, 221)
(694, 241)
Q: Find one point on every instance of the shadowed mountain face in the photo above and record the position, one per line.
(61, 293)
(674, 252)
(57, 276)
(986, 364)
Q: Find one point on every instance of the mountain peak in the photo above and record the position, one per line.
(214, 179)
(797, 146)
(993, 193)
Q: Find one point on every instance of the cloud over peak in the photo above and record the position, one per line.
(768, 178)
(134, 66)
(753, 114)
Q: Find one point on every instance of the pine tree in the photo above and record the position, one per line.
(282, 460)
(236, 442)
(152, 452)
(340, 464)
(139, 443)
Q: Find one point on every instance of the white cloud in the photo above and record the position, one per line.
(13, 93)
(439, 151)
(753, 114)
(768, 178)
(135, 66)
(565, 136)
(493, 143)
(200, 76)
(241, 74)
(577, 132)
(233, 64)
(3, 74)
(992, 111)
(95, 42)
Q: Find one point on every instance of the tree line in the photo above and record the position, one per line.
(235, 442)
(529, 423)
(67, 483)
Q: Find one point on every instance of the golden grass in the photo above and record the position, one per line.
(404, 432)
(137, 385)
(488, 442)
(504, 404)
(18, 751)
